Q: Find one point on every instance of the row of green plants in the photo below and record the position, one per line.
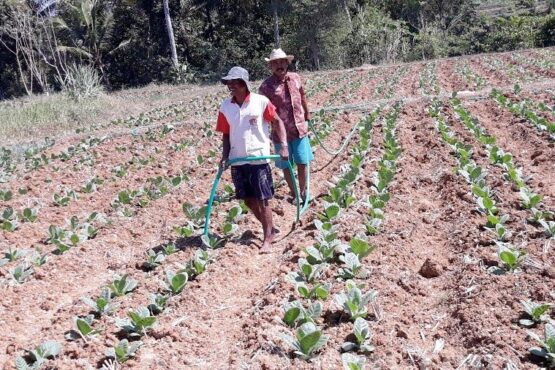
(527, 109)
(529, 200)
(386, 88)
(474, 80)
(303, 315)
(510, 257)
(350, 92)
(140, 321)
(542, 63)
(427, 80)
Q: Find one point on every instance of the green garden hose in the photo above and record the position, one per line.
(251, 159)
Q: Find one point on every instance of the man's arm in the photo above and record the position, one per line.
(279, 127)
(307, 116)
(225, 150)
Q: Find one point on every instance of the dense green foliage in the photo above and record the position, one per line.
(127, 42)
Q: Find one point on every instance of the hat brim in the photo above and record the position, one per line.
(289, 58)
(225, 79)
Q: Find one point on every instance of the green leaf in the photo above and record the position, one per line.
(291, 316)
(309, 341)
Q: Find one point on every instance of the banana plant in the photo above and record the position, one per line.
(38, 356)
(124, 350)
(296, 314)
(307, 341)
(353, 302)
(362, 335)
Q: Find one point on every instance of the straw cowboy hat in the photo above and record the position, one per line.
(279, 54)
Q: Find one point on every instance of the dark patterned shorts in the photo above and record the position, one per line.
(253, 181)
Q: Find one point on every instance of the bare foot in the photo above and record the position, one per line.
(266, 247)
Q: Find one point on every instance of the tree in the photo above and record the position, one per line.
(170, 33)
(87, 27)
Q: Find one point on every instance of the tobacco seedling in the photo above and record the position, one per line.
(549, 227)
(360, 247)
(21, 273)
(169, 248)
(124, 350)
(307, 272)
(197, 265)
(140, 321)
(153, 259)
(352, 362)
(83, 328)
(363, 336)
(38, 356)
(308, 340)
(9, 221)
(297, 314)
(529, 199)
(121, 286)
(547, 351)
(38, 258)
(158, 303)
(175, 281)
(318, 291)
(212, 241)
(510, 257)
(536, 311)
(103, 305)
(12, 255)
(352, 268)
(6, 195)
(354, 302)
(331, 211)
(29, 214)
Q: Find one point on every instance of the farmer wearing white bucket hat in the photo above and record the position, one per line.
(285, 91)
(244, 120)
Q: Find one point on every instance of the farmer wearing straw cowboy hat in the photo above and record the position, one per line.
(285, 91)
(244, 120)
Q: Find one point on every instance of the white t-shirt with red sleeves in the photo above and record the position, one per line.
(248, 126)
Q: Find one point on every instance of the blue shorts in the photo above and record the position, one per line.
(253, 181)
(300, 152)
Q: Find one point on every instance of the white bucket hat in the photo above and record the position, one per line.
(279, 54)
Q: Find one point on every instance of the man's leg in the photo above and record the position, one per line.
(252, 203)
(289, 181)
(302, 179)
(267, 225)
